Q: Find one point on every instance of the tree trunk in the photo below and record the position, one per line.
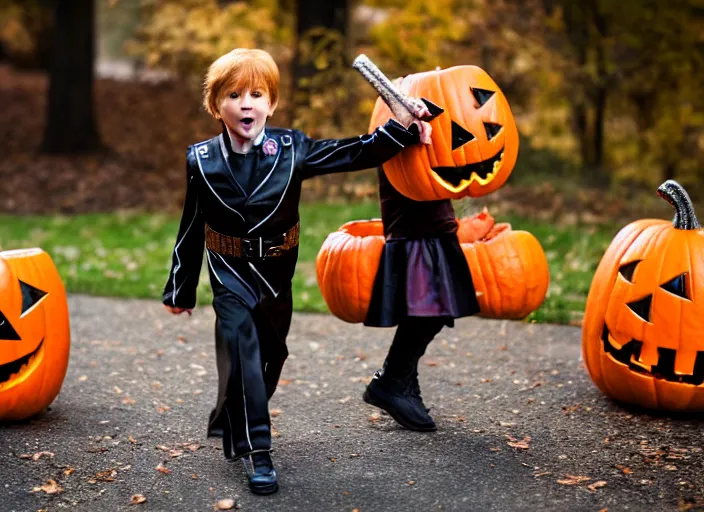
(70, 124)
(312, 14)
(315, 49)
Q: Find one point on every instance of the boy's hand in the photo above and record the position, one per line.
(407, 119)
(178, 311)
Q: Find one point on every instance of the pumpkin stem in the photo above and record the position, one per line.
(677, 196)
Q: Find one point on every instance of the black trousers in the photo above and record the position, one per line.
(413, 335)
(250, 352)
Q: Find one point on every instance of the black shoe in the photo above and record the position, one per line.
(261, 474)
(399, 398)
(415, 389)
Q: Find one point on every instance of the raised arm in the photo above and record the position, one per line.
(326, 156)
(187, 258)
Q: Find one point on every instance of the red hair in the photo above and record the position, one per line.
(238, 70)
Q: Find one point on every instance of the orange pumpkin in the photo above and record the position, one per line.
(509, 268)
(474, 142)
(643, 328)
(346, 266)
(34, 333)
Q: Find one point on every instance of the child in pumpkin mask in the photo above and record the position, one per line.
(242, 197)
(422, 284)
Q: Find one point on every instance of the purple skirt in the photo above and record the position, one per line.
(427, 277)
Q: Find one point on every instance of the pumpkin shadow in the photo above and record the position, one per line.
(48, 416)
(660, 414)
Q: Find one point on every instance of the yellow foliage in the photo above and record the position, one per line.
(187, 35)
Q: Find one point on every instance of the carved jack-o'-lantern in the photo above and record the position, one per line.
(643, 329)
(34, 333)
(474, 142)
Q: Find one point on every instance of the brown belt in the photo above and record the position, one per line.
(251, 248)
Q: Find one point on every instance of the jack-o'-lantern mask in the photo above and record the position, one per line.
(34, 333)
(474, 142)
(643, 335)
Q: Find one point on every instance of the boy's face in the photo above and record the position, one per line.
(245, 112)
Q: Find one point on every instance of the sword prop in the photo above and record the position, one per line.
(391, 94)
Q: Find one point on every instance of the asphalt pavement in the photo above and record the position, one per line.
(520, 425)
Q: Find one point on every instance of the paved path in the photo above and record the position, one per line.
(141, 383)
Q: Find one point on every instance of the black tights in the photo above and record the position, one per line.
(412, 337)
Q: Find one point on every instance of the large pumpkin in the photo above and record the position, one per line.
(346, 266)
(34, 333)
(474, 142)
(509, 268)
(643, 329)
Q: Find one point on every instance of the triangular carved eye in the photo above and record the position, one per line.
(7, 332)
(642, 307)
(30, 296)
(481, 95)
(677, 286)
(492, 130)
(460, 136)
(627, 270)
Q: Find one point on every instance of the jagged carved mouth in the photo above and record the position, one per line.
(629, 353)
(483, 172)
(18, 367)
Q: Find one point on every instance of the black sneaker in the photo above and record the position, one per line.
(399, 398)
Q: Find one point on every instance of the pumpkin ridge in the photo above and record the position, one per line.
(494, 284)
(597, 299)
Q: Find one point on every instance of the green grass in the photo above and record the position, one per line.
(129, 255)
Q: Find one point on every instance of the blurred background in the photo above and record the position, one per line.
(100, 98)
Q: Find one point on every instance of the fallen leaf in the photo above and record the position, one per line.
(374, 417)
(51, 487)
(39, 455)
(193, 447)
(132, 440)
(521, 445)
(274, 413)
(573, 480)
(68, 471)
(569, 409)
(593, 487)
(284, 382)
(163, 469)
(225, 504)
(411, 482)
(137, 499)
(624, 469)
(106, 476)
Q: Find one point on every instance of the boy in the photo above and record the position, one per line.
(243, 191)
